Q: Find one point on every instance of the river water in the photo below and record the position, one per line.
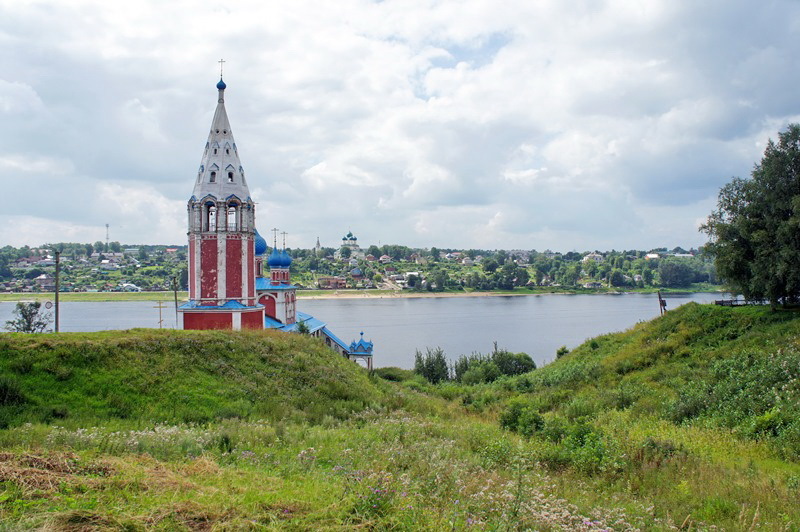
(536, 324)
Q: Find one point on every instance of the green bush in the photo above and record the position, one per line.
(394, 374)
(10, 392)
(477, 368)
(529, 422)
(432, 365)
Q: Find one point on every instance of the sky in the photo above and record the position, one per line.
(458, 124)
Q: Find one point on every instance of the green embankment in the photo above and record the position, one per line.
(737, 369)
(176, 376)
(689, 421)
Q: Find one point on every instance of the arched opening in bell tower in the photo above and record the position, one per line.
(210, 217)
(232, 217)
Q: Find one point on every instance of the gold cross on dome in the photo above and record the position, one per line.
(221, 61)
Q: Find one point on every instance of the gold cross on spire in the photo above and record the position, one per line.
(221, 61)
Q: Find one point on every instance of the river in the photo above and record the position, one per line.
(536, 324)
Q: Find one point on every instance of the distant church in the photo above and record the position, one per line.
(227, 288)
(349, 241)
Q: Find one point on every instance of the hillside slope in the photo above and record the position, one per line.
(689, 421)
(734, 368)
(176, 376)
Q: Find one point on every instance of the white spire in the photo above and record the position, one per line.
(221, 174)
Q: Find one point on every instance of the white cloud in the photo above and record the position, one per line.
(544, 124)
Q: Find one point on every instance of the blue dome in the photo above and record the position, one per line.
(221, 85)
(275, 259)
(287, 260)
(261, 244)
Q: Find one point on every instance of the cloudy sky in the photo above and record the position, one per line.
(536, 124)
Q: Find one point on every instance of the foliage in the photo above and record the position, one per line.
(732, 368)
(394, 374)
(675, 272)
(29, 318)
(587, 445)
(755, 230)
(477, 368)
(432, 365)
(302, 328)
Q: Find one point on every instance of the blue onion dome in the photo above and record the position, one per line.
(287, 260)
(275, 260)
(221, 85)
(261, 244)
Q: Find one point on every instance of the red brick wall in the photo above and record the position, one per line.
(208, 268)
(233, 268)
(252, 320)
(207, 320)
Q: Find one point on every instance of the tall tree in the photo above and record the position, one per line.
(29, 318)
(755, 230)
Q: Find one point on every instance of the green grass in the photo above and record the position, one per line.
(697, 411)
(177, 376)
(183, 430)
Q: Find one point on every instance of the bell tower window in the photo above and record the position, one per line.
(213, 177)
(230, 177)
(210, 221)
(232, 226)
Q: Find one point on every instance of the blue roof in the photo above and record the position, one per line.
(263, 283)
(272, 323)
(361, 347)
(311, 322)
(335, 338)
(228, 305)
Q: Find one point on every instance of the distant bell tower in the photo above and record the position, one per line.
(221, 222)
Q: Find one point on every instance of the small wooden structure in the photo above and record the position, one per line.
(361, 350)
(662, 304)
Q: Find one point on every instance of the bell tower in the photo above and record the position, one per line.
(221, 231)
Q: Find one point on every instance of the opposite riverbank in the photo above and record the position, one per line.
(96, 297)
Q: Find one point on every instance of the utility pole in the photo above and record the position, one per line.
(175, 292)
(106, 237)
(58, 284)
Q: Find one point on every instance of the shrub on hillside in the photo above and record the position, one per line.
(394, 374)
(10, 392)
(477, 368)
(432, 365)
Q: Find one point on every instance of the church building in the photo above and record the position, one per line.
(227, 288)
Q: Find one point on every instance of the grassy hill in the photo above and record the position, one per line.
(689, 421)
(737, 369)
(177, 377)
